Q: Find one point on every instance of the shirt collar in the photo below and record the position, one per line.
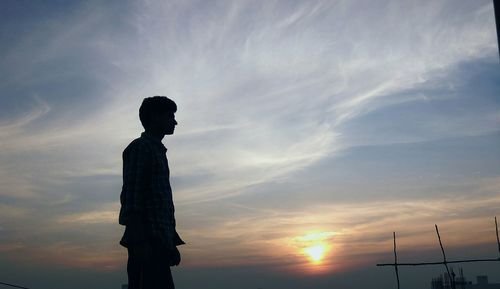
(153, 140)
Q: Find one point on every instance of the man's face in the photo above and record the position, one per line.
(166, 122)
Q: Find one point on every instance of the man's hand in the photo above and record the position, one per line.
(175, 257)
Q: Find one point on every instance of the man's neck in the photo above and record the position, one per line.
(156, 135)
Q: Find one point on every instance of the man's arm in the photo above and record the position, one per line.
(136, 183)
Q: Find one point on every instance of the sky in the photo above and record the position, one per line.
(309, 132)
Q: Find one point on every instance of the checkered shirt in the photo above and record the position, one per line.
(147, 208)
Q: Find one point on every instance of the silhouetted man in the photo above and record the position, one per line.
(147, 208)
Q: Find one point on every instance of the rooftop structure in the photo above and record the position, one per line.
(460, 282)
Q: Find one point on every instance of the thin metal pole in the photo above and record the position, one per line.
(12, 285)
(441, 262)
(496, 7)
(444, 259)
(396, 259)
(496, 229)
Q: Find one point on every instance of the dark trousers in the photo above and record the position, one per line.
(152, 273)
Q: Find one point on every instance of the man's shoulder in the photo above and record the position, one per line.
(137, 145)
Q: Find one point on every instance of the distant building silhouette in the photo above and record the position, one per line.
(444, 282)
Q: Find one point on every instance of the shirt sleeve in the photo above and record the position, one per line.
(136, 183)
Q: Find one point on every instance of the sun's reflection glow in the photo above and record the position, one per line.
(319, 236)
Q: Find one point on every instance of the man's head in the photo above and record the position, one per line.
(157, 114)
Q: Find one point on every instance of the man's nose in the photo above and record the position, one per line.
(175, 122)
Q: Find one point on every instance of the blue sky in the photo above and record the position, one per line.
(350, 118)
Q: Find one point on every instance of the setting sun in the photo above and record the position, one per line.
(315, 245)
(316, 253)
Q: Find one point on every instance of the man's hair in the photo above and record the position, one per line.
(154, 106)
